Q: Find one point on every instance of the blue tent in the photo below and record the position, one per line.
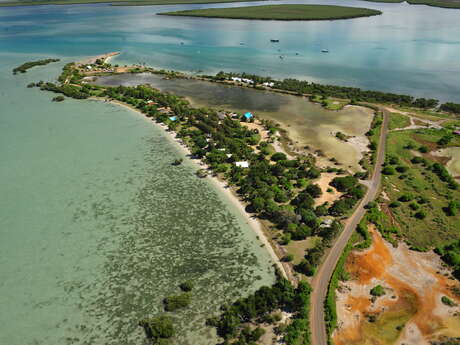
(248, 115)
(173, 118)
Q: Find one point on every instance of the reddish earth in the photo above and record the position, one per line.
(410, 312)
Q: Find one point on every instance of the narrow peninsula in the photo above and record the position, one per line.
(27, 65)
(280, 12)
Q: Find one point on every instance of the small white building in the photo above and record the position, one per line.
(242, 164)
(269, 84)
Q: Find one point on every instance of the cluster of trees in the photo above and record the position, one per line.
(444, 175)
(25, 66)
(352, 93)
(72, 91)
(353, 191)
(158, 329)
(450, 254)
(312, 258)
(355, 94)
(259, 308)
(451, 107)
(174, 302)
(70, 73)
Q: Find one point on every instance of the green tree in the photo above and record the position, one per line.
(160, 327)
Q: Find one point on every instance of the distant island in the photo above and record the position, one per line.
(27, 65)
(280, 12)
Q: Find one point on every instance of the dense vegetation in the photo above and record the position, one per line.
(450, 253)
(25, 66)
(280, 12)
(174, 302)
(261, 307)
(158, 329)
(451, 107)
(355, 95)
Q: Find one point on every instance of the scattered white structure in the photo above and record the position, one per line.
(243, 80)
(269, 84)
(242, 164)
(89, 67)
(326, 223)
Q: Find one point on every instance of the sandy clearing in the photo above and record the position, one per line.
(323, 183)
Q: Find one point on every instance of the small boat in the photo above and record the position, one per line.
(274, 41)
(182, 43)
(281, 57)
(324, 50)
(241, 43)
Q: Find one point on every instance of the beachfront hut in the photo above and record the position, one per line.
(248, 116)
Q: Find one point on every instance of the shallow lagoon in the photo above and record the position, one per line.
(97, 227)
(307, 123)
(409, 49)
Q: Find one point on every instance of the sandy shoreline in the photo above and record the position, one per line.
(252, 221)
(105, 57)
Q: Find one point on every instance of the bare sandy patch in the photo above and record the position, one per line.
(410, 312)
(323, 183)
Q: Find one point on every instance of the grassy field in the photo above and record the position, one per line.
(398, 121)
(114, 2)
(280, 12)
(424, 189)
(434, 3)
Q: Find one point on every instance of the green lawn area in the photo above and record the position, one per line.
(114, 2)
(427, 193)
(398, 121)
(280, 12)
(298, 248)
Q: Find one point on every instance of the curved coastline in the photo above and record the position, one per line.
(253, 222)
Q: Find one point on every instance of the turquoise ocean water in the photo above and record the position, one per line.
(96, 227)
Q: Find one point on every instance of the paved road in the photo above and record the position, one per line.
(321, 281)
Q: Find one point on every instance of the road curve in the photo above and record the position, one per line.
(321, 280)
